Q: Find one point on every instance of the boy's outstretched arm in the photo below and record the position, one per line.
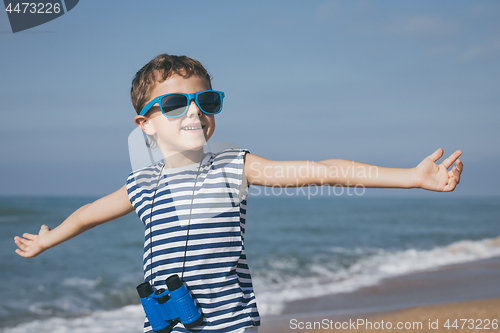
(105, 209)
(427, 174)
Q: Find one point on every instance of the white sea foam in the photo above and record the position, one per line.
(128, 319)
(80, 282)
(367, 271)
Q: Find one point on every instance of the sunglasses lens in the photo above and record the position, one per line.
(210, 102)
(174, 105)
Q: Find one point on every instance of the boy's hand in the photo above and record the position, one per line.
(434, 177)
(31, 245)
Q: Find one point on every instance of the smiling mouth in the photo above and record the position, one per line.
(192, 128)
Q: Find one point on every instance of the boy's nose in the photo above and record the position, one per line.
(193, 109)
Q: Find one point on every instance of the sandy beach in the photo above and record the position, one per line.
(473, 316)
(455, 298)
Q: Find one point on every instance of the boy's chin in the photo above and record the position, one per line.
(189, 138)
(195, 146)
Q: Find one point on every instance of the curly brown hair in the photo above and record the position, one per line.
(158, 70)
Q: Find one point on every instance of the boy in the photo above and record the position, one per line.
(193, 203)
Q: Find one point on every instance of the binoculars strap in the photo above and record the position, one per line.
(151, 223)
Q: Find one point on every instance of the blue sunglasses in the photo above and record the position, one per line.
(177, 104)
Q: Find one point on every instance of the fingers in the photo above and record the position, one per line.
(29, 244)
(452, 183)
(22, 243)
(459, 165)
(454, 176)
(20, 240)
(24, 246)
(43, 228)
(450, 160)
(455, 173)
(21, 253)
(24, 254)
(29, 236)
(436, 155)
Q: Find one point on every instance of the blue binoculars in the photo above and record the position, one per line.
(166, 307)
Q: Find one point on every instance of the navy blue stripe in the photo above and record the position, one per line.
(205, 235)
(176, 228)
(179, 251)
(217, 219)
(180, 257)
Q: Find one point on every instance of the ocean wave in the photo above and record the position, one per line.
(81, 282)
(128, 319)
(366, 271)
(272, 297)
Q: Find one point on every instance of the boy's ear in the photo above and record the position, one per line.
(144, 124)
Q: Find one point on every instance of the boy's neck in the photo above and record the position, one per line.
(177, 160)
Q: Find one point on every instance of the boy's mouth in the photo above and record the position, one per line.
(192, 127)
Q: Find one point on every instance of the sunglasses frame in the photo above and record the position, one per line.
(189, 97)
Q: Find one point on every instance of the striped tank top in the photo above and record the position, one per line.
(215, 266)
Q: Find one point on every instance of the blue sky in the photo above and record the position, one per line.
(384, 83)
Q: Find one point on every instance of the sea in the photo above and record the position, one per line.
(297, 247)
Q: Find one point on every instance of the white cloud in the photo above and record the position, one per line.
(328, 10)
(482, 51)
(470, 53)
(423, 26)
(444, 49)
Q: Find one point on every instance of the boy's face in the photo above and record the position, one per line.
(176, 135)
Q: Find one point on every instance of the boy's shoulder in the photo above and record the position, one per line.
(229, 156)
(228, 152)
(148, 170)
(145, 177)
